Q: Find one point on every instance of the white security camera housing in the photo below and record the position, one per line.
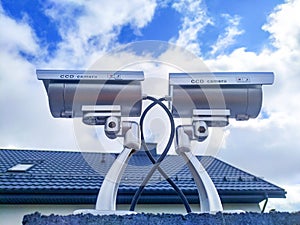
(69, 90)
(239, 92)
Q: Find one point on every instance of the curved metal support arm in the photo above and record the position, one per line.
(107, 196)
(208, 195)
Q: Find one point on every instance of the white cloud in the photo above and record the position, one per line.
(291, 203)
(16, 36)
(269, 147)
(24, 120)
(284, 26)
(195, 19)
(89, 28)
(228, 37)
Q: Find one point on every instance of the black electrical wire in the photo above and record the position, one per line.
(157, 163)
(168, 179)
(163, 155)
(172, 134)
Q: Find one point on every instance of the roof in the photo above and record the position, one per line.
(75, 178)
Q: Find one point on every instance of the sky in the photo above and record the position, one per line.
(186, 35)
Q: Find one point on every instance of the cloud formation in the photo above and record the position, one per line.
(194, 20)
(268, 146)
(90, 28)
(228, 37)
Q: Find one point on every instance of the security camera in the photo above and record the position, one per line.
(210, 99)
(239, 92)
(99, 97)
(69, 90)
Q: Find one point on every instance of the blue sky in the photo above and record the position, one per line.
(164, 25)
(248, 35)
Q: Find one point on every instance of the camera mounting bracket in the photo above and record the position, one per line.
(110, 117)
(198, 130)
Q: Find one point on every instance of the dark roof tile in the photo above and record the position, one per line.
(58, 170)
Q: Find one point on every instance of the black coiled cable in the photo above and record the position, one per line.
(156, 164)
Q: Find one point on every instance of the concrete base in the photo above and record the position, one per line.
(274, 218)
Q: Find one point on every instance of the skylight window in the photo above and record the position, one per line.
(20, 167)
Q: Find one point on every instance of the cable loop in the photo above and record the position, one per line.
(156, 163)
